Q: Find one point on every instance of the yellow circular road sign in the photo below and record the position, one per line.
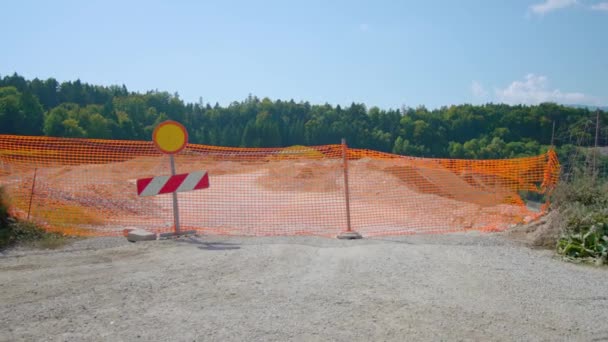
(170, 137)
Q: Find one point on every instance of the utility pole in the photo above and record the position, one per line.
(597, 133)
(553, 135)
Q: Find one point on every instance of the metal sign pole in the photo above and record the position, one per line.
(175, 208)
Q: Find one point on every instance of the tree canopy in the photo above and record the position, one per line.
(76, 109)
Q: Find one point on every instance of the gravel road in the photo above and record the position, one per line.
(450, 287)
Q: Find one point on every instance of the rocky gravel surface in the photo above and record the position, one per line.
(449, 287)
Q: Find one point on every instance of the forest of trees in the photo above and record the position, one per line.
(76, 109)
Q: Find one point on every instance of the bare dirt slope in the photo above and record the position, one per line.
(452, 287)
(266, 198)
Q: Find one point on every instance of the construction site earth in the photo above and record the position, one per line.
(262, 266)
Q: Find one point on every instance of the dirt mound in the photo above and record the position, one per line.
(436, 180)
(297, 152)
(543, 232)
(310, 176)
(270, 197)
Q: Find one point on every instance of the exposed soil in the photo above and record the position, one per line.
(272, 197)
(540, 233)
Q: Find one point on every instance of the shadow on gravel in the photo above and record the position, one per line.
(209, 245)
(487, 239)
(391, 240)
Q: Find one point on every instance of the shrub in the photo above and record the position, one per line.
(583, 190)
(585, 236)
(583, 206)
(3, 209)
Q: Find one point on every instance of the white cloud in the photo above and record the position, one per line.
(551, 5)
(602, 6)
(478, 90)
(534, 89)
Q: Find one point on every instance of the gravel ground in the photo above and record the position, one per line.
(449, 287)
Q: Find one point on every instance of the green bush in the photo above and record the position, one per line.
(3, 209)
(583, 205)
(585, 236)
(583, 190)
(28, 233)
(4, 227)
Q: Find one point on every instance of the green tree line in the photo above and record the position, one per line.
(76, 109)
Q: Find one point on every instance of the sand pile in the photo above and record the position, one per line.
(312, 176)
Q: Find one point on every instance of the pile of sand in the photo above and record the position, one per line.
(543, 232)
(311, 176)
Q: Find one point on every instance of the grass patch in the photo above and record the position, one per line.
(29, 234)
(15, 232)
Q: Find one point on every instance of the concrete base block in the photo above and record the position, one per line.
(349, 236)
(140, 235)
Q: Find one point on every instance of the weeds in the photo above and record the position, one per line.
(3, 209)
(583, 206)
(14, 232)
(585, 236)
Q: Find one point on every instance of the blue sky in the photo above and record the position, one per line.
(381, 53)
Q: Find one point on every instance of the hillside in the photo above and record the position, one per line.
(77, 109)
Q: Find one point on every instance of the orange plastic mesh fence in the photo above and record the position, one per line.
(88, 187)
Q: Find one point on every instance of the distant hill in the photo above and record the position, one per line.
(492, 131)
(602, 108)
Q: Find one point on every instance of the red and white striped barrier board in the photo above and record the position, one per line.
(168, 184)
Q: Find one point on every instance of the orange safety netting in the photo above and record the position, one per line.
(88, 187)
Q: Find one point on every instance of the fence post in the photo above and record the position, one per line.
(348, 234)
(29, 208)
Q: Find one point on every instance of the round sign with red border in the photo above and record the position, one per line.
(170, 137)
